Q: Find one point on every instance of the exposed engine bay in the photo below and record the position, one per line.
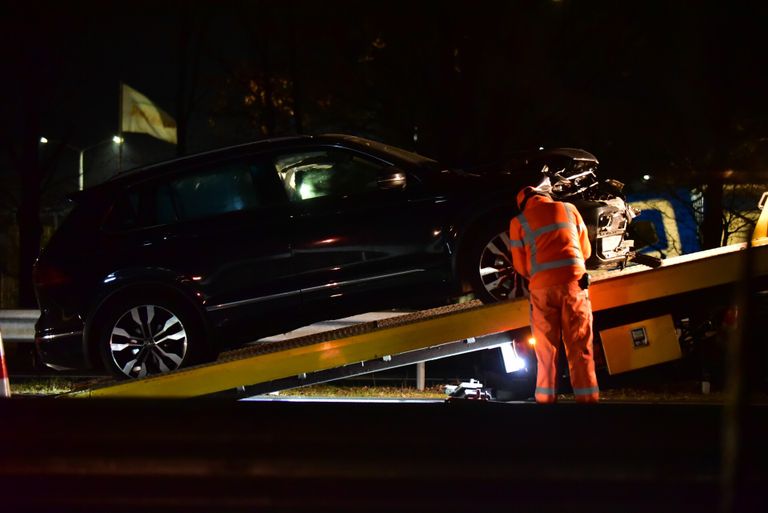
(603, 206)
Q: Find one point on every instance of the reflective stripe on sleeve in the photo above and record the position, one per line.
(550, 228)
(574, 230)
(530, 241)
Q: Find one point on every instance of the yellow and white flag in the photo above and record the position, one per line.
(141, 115)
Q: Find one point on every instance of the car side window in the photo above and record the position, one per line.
(208, 192)
(212, 192)
(318, 173)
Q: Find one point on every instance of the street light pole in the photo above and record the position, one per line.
(116, 139)
(80, 171)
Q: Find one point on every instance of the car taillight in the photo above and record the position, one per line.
(49, 276)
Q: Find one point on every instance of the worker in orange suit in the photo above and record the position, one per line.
(549, 247)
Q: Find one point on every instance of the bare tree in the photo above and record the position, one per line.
(192, 35)
(34, 61)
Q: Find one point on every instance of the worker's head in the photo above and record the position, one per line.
(526, 193)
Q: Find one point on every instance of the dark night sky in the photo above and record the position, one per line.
(675, 89)
(643, 85)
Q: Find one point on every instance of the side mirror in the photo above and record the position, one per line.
(392, 178)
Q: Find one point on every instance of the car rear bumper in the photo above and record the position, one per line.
(62, 351)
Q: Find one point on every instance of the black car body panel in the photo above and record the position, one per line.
(265, 237)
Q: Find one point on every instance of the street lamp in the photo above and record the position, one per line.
(116, 139)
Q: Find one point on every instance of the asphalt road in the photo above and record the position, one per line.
(214, 455)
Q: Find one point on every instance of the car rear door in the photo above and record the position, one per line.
(223, 227)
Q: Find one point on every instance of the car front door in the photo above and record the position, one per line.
(342, 202)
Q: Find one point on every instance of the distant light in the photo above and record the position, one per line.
(531, 341)
(43, 140)
(117, 139)
(541, 148)
(646, 178)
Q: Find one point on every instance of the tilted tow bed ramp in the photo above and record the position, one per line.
(438, 332)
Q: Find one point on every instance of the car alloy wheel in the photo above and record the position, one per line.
(497, 274)
(147, 339)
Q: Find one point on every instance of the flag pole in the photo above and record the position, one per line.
(120, 128)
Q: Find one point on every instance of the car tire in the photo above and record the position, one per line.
(488, 264)
(147, 332)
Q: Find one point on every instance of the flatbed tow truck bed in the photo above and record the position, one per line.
(442, 331)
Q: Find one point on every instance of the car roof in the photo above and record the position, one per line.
(233, 150)
(386, 152)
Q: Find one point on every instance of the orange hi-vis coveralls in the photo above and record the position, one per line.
(549, 247)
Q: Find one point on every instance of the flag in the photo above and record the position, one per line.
(141, 115)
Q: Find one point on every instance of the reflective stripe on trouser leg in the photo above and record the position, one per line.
(545, 324)
(578, 340)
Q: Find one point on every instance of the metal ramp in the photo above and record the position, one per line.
(438, 332)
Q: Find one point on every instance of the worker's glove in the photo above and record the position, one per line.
(584, 281)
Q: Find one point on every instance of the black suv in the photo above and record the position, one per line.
(165, 265)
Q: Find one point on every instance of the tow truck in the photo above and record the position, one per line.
(638, 312)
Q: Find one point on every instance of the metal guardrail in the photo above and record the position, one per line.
(18, 325)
